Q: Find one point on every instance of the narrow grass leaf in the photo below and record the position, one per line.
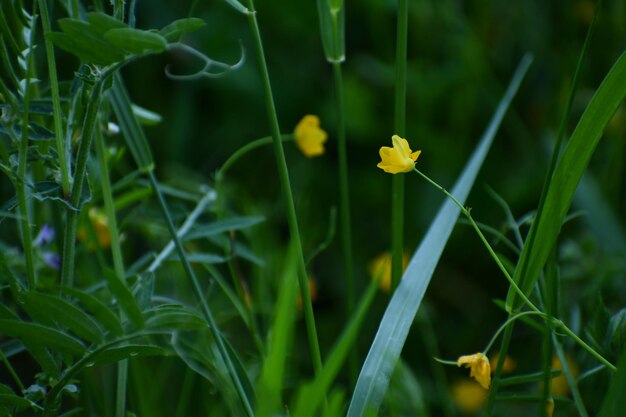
(124, 297)
(396, 322)
(569, 170)
(221, 226)
(116, 354)
(179, 27)
(103, 313)
(615, 400)
(311, 395)
(270, 384)
(64, 314)
(37, 334)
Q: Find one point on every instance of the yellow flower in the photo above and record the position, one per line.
(100, 223)
(479, 368)
(380, 269)
(508, 366)
(309, 136)
(312, 292)
(468, 396)
(398, 159)
(559, 383)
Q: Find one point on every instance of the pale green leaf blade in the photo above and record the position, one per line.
(396, 322)
(42, 336)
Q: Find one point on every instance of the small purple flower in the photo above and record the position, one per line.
(45, 236)
(53, 260)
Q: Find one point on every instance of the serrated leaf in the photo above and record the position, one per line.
(103, 313)
(136, 42)
(394, 327)
(179, 27)
(568, 172)
(42, 335)
(35, 132)
(63, 314)
(116, 354)
(124, 297)
(221, 226)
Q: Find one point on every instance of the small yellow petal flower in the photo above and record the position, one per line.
(468, 396)
(559, 383)
(479, 368)
(309, 136)
(380, 269)
(398, 159)
(100, 224)
(509, 363)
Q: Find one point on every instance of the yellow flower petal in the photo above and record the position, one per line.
(398, 159)
(468, 396)
(509, 363)
(309, 136)
(380, 269)
(479, 368)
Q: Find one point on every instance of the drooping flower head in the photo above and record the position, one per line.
(309, 136)
(479, 368)
(398, 159)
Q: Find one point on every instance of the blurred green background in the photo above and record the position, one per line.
(461, 55)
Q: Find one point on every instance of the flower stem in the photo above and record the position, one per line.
(283, 174)
(397, 189)
(495, 383)
(495, 257)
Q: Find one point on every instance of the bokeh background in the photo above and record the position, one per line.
(461, 55)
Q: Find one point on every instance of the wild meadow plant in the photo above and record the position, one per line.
(129, 289)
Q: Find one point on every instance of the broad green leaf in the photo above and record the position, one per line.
(116, 354)
(80, 39)
(179, 27)
(270, 384)
(101, 23)
(175, 317)
(569, 170)
(63, 314)
(615, 400)
(103, 313)
(124, 297)
(136, 42)
(221, 226)
(37, 334)
(396, 322)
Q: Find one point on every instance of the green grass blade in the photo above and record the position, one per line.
(396, 322)
(615, 401)
(270, 384)
(567, 175)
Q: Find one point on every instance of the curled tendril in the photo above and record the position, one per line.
(208, 64)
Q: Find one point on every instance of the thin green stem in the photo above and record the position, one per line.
(61, 144)
(397, 188)
(506, 323)
(482, 237)
(69, 238)
(245, 402)
(585, 346)
(344, 205)
(118, 260)
(283, 174)
(495, 382)
(14, 374)
(573, 384)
